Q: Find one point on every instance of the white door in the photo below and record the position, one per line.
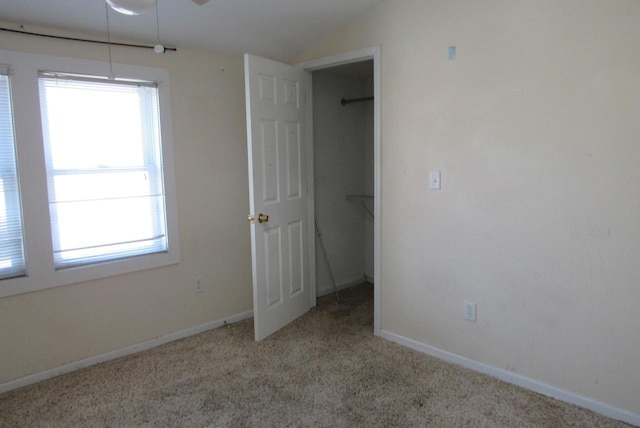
(277, 153)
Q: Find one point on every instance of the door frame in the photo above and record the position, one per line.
(328, 62)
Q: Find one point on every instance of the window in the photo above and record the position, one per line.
(86, 168)
(12, 262)
(104, 170)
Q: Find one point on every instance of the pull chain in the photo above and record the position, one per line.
(111, 73)
(158, 48)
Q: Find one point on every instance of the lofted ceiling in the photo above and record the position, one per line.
(278, 29)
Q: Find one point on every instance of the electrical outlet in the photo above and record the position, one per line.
(198, 284)
(470, 311)
(434, 180)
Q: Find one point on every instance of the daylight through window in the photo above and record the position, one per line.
(104, 168)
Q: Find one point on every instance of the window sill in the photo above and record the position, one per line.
(48, 278)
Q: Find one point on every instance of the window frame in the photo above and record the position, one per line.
(41, 271)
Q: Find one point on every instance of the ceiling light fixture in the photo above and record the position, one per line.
(132, 7)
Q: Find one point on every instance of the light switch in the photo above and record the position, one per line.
(434, 180)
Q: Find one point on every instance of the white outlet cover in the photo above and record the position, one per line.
(434, 180)
(470, 311)
(198, 285)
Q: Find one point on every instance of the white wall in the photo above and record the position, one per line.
(340, 169)
(535, 129)
(46, 329)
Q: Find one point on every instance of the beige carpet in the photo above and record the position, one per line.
(326, 369)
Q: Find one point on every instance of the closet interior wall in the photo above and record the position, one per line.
(343, 168)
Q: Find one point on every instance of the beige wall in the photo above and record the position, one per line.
(47, 329)
(535, 128)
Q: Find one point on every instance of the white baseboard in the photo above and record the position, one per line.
(117, 353)
(347, 284)
(516, 379)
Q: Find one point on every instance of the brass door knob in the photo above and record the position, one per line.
(262, 218)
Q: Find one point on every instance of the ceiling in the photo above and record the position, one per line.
(278, 29)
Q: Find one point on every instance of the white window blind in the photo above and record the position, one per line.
(104, 168)
(12, 259)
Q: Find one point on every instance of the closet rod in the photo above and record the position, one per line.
(355, 100)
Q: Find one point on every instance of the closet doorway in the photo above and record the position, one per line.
(343, 175)
(345, 127)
